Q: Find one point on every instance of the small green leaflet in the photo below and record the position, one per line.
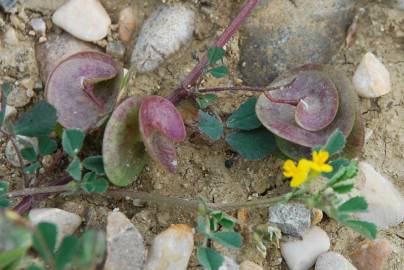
(209, 258)
(46, 145)
(366, 229)
(336, 164)
(203, 101)
(219, 72)
(91, 249)
(252, 145)
(4, 202)
(91, 183)
(72, 141)
(356, 204)
(95, 164)
(335, 143)
(228, 239)
(5, 90)
(210, 125)
(29, 154)
(74, 169)
(244, 117)
(33, 168)
(215, 54)
(342, 189)
(39, 121)
(66, 251)
(45, 234)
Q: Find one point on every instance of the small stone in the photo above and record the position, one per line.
(86, 20)
(292, 219)
(302, 254)
(333, 261)
(10, 37)
(371, 78)
(126, 250)
(21, 143)
(18, 97)
(66, 222)
(316, 216)
(371, 255)
(39, 26)
(167, 29)
(7, 5)
(171, 249)
(386, 205)
(116, 49)
(247, 265)
(127, 24)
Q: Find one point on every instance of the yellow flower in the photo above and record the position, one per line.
(319, 163)
(299, 173)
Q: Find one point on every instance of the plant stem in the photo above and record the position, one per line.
(38, 191)
(232, 88)
(183, 90)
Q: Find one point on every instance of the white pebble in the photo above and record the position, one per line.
(39, 26)
(371, 78)
(333, 261)
(302, 254)
(84, 19)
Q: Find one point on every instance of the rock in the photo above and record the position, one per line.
(371, 78)
(316, 216)
(42, 5)
(39, 26)
(116, 49)
(247, 265)
(171, 249)
(18, 97)
(86, 20)
(10, 37)
(302, 254)
(57, 48)
(21, 143)
(371, 255)
(127, 24)
(334, 261)
(398, 4)
(229, 264)
(292, 219)
(126, 250)
(7, 5)
(167, 29)
(279, 36)
(386, 205)
(66, 222)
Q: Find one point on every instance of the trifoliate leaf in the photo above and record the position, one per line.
(210, 125)
(244, 117)
(72, 141)
(95, 164)
(215, 54)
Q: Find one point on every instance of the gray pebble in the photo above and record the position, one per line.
(292, 219)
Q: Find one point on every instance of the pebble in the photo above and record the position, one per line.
(333, 261)
(386, 205)
(116, 49)
(21, 143)
(66, 222)
(278, 36)
(371, 78)
(171, 249)
(248, 265)
(371, 255)
(302, 254)
(10, 37)
(127, 24)
(125, 246)
(316, 216)
(292, 218)
(86, 20)
(167, 29)
(39, 26)
(18, 97)
(7, 5)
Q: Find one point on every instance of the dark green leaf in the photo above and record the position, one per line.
(100, 185)
(215, 54)
(336, 164)
(343, 188)
(35, 267)
(356, 204)
(210, 125)
(33, 168)
(46, 145)
(366, 229)
(228, 239)
(93, 184)
(95, 164)
(5, 90)
(72, 141)
(218, 215)
(29, 154)
(74, 169)
(335, 143)
(209, 258)
(227, 223)
(219, 72)
(66, 251)
(39, 121)
(3, 187)
(4, 202)
(44, 240)
(252, 145)
(203, 101)
(244, 117)
(91, 249)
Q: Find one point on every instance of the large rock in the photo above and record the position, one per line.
(334, 261)
(280, 35)
(292, 218)
(371, 255)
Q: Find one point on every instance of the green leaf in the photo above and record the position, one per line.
(39, 121)
(215, 54)
(93, 184)
(356, 204)
(46, 145)
(219, 72)
(14, 243)
(244, 117)
(227, 223)
(342, 189)
(252, 145)
(35, 267)
(29, 154)
(100, 185)
(5, 90)
(74, 169)
(210, 125)
(91, 249)
(203, 101)
(218, 215)
(336, 165)
(335, 143)
(44, 240)
(66, 251)
(3, 187)
(366, 229)
(228, 239)
(33, 168)
(209, 258)
(72, 141)
(4, 202)
(95, 164)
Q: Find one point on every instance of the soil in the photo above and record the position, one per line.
(202, 172)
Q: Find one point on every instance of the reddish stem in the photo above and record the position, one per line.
(232, 88)
(183, 90)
